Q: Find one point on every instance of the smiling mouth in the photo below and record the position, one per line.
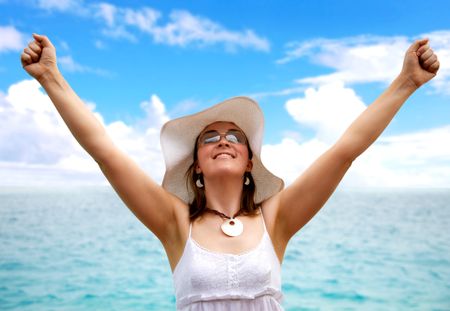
(223, 156)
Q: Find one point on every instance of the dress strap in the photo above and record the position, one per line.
(262, 216)
(190, 230)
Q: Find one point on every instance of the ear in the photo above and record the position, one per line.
(198, 170)
(249, 166)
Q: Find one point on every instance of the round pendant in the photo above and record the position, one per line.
(232, 227)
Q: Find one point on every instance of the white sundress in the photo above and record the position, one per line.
(213, 281)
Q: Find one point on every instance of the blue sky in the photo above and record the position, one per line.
(312, 66)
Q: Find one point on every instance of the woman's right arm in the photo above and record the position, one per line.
(160, 211)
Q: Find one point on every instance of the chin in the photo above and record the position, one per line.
(224, 171)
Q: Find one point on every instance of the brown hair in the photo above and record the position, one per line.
(197, 206)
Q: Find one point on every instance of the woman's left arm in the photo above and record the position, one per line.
(299, 202)
(420, 65)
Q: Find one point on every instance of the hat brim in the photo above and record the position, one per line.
(178, 139)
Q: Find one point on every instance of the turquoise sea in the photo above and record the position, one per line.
(82, 249)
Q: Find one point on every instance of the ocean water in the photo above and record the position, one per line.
(82, 249)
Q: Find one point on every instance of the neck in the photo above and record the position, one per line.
(224, 194)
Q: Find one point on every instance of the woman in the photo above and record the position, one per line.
(221, 216)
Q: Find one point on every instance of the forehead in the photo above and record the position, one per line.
(221, 126)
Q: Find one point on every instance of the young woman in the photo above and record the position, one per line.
(222, 217)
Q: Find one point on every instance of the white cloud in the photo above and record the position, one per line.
(421, 162)
(30, 131)
(289, 158)
(185, 28)
(11, 39)
(144, 19)
(37, 148)
(155, 111)
(365, 59)
(283, 92)
(107, 12)
(74, 6)
(186, 106)
(440, 42)
(182, 29)
(328, 110)
(119, 32)
(100, 44)
(64, 46)
(70, 65)
(355, 60)
(409, 160)
(26, 174)
(419, 159)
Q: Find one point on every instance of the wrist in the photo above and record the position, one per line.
(405, 83)
(49, 77)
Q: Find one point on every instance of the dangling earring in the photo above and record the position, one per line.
(247, 181)
(199, 183)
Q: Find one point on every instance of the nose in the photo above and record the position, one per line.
(223, 141)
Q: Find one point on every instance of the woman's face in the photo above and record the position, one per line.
(228, 155)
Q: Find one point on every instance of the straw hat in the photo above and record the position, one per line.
(178, 138)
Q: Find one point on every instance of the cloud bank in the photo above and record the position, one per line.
(364, 59)
(37, 148)
(180, 28)
(12, 40)
(417, 159)
(68, 64)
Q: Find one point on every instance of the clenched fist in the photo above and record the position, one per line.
(39, 57)
(420, 64)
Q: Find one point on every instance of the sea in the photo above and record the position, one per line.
(82, 249)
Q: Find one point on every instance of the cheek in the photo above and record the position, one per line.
(244, 152)
(201, 155)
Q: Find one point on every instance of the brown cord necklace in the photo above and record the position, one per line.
(231, 225)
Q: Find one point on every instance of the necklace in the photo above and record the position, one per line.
(231, 225)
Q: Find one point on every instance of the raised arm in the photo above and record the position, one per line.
(298, 203)
(154, 206)
(420, 65)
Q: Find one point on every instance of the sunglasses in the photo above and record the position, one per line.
(232, 136)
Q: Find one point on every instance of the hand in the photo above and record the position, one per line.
(420, 64)
(39, 57)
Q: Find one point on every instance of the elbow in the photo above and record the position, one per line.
(103, 156)
(101, 151)
(349, 147)
(345, 153)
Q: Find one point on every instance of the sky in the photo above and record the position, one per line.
(313, 66)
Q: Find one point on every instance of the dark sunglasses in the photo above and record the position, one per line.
(232, 136)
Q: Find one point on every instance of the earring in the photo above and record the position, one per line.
(247, 181)
(198, 183)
